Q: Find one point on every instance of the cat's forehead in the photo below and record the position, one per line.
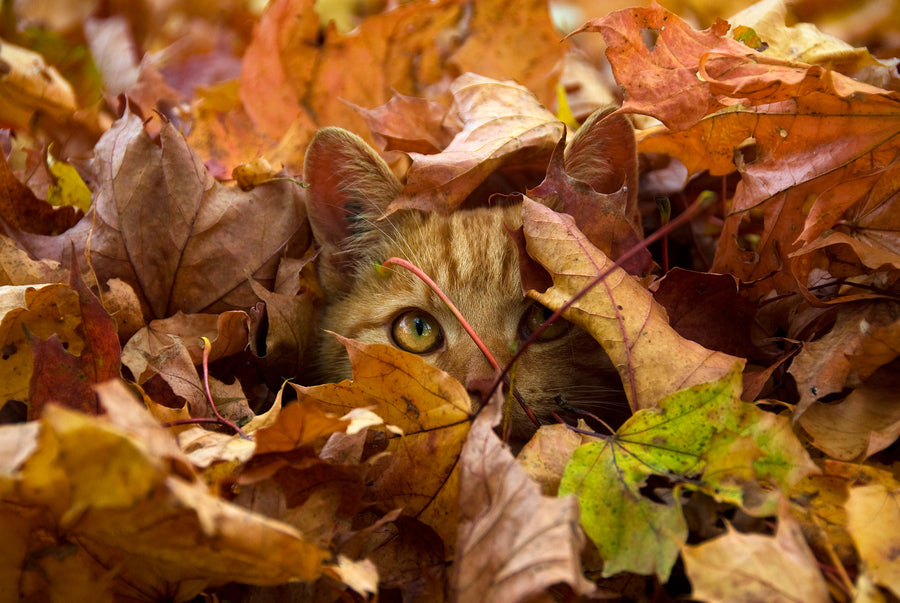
(467, 250)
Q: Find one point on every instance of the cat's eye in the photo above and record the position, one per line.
(535, 316)
(417, 332)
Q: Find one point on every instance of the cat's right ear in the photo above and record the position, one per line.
(350, 185)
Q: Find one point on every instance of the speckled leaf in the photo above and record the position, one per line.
(692, 430)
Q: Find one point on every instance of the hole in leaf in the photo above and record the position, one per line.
(649, 35)
(746, 154)
(655, 486)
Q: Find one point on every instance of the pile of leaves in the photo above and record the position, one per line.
(154, 307)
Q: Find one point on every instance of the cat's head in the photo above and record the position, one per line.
(470, 255)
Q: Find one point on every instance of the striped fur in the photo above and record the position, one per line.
(473, 259)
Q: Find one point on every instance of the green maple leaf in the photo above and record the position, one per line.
(703, 438)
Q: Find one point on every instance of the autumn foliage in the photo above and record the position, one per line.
(160, 440)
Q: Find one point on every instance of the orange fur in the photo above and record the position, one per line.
(472, 258)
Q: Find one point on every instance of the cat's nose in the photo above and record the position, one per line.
(480, 387)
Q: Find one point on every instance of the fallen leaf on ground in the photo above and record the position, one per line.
(680, 443)
(432, 410)
(514, 543)
(618, 312)
(754, 567)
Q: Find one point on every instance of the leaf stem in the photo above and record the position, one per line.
(207, 346)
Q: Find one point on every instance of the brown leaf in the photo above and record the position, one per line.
(122, 494)
(433, 412)
(608, 216)
(756, 567)
(17, 268)
(514, 543)
(651, 358)
(504, 126)
(291, 319)
(171, 349)
(22, 210)
(58, 377)
(708, 308)
(863, 423)
(161, 223)
(410, 124)
(857, 345)
(30, 313)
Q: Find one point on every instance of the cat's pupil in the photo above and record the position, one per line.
(421, 327)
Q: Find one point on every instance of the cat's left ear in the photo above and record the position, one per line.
(603, 153)
(348, 181)
(349, 186)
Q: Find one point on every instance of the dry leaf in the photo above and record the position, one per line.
(753, 567)
(433, 412)
(514, 543)
(504, 126)
(618, 312)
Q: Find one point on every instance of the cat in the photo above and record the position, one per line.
(471, 256)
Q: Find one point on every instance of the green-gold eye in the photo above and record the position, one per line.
(535, 316)
(417, 331)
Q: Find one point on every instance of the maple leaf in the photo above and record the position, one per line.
(604, 205)
(170, 349)
(22, 210)
(754, 114)
(849, 353)
(756, 567)
(162, 224)
(873, 520)
(702, 432)
(290, 77)
(119, 494)
(503, 126)
(430, 409)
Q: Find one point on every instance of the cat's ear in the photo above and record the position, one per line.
(603, 153)
(349, 185)
(347, 180)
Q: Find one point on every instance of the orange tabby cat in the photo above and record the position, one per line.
(472, 258)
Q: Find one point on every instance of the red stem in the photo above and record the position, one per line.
(207, 346)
